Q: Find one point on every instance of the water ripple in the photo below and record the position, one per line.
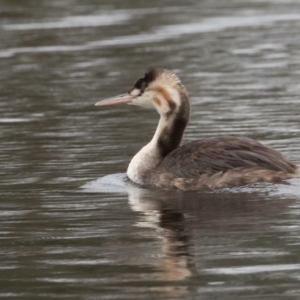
(74, 21)
(162, 33)
(254, 269)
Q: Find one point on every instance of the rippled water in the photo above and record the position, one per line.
(72, 226)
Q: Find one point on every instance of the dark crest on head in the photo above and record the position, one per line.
(142, 83)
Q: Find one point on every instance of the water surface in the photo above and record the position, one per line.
(72, 226)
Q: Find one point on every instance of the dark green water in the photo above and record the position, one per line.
(71, 226)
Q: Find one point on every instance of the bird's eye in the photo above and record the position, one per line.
(135, 92)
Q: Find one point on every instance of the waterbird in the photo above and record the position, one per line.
(210, 163)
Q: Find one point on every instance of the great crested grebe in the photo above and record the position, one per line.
(215, 162)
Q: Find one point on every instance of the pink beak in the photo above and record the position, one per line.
(125, 98)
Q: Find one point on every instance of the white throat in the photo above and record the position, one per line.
(148, 157)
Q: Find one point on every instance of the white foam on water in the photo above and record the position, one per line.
(114, 183)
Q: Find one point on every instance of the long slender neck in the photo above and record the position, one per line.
(169, 133)
(167, 137)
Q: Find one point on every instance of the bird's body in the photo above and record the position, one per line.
(209, 163)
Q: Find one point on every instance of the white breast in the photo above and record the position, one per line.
(146, 159)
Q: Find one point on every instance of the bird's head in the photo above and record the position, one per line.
(159, 88)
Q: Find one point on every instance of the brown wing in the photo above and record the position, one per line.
(225, 153)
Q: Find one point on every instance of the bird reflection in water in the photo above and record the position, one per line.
(176, 261)
(180, 217)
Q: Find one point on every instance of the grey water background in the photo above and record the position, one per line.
(71, 225)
